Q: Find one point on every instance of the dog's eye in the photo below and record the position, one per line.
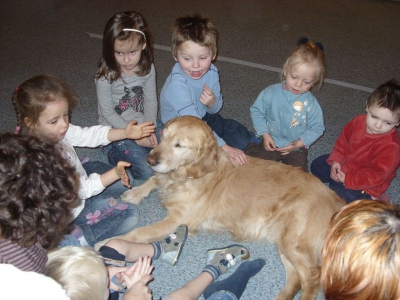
(179, 145)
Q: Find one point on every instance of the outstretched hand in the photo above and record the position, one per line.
(121, 171)
(136, 132)
(236, 156)
(150, 141)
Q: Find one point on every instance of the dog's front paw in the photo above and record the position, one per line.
(132, 196)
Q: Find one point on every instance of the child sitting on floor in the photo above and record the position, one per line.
(193, 86)
(135, 278)
(287, 115)
(366, 155)
(38, 190)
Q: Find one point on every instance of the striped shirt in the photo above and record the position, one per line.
(33, 258)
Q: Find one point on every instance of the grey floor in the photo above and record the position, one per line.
(362, 46)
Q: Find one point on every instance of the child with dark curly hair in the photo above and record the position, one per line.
(43, 105)
(38, 190)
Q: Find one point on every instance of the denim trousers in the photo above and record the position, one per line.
(105, 215)
(320, 168)
(232, 132)
(220, 295)
(129, 151)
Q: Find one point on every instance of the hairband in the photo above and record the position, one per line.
(135, 30)
(304, 40)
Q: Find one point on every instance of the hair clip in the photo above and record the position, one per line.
(304, 40)
(135, 30)
(17, 88)
(17, 129)
(319, 45)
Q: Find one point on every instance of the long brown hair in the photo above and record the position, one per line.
(114, 30)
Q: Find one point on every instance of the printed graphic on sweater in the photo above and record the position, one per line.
(132, 98)
(298, 106)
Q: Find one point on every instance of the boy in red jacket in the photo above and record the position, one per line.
(366, 155)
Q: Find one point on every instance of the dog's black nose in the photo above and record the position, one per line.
(151, 160)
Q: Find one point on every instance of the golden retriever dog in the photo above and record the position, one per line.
(261, 200)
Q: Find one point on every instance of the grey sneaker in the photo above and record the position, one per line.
(224, 258)
(172, 245)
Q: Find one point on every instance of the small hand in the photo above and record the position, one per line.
(116, 272)
(140, 290)
(335, 169)
(121, 171)
(136, 132)
(207, 97)
(268, 142)
(235, 155)
(138, 270)
(341, 176)
(289, 148)
(150, 141)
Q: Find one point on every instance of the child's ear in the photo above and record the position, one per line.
(144, 46)
(29, 123)
(175, 58)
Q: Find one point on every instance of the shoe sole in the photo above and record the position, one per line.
(243, 257)
(182, 243)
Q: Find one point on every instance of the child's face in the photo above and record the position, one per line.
(195, 60)
(53, 122)
(300, 79)
(380, 120)
(127, 54)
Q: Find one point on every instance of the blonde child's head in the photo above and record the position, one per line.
(361, 256)
(197, 29)
(80, 271)
(307, 54)
(35, 94)
(129, 29)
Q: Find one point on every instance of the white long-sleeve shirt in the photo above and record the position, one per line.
(84, 137)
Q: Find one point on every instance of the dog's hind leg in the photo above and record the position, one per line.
(136, 194)
(293, 284)
(302, 272)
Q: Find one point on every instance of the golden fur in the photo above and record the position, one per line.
(261, 200)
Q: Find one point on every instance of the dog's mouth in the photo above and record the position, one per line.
(159, 168)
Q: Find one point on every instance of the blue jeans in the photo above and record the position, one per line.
(129, 151)
(320, 168)
(220, 295)
(232, 132)
(105, 215)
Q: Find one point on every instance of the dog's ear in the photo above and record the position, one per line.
(206, 161)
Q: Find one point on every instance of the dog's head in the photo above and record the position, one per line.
(187, 142)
